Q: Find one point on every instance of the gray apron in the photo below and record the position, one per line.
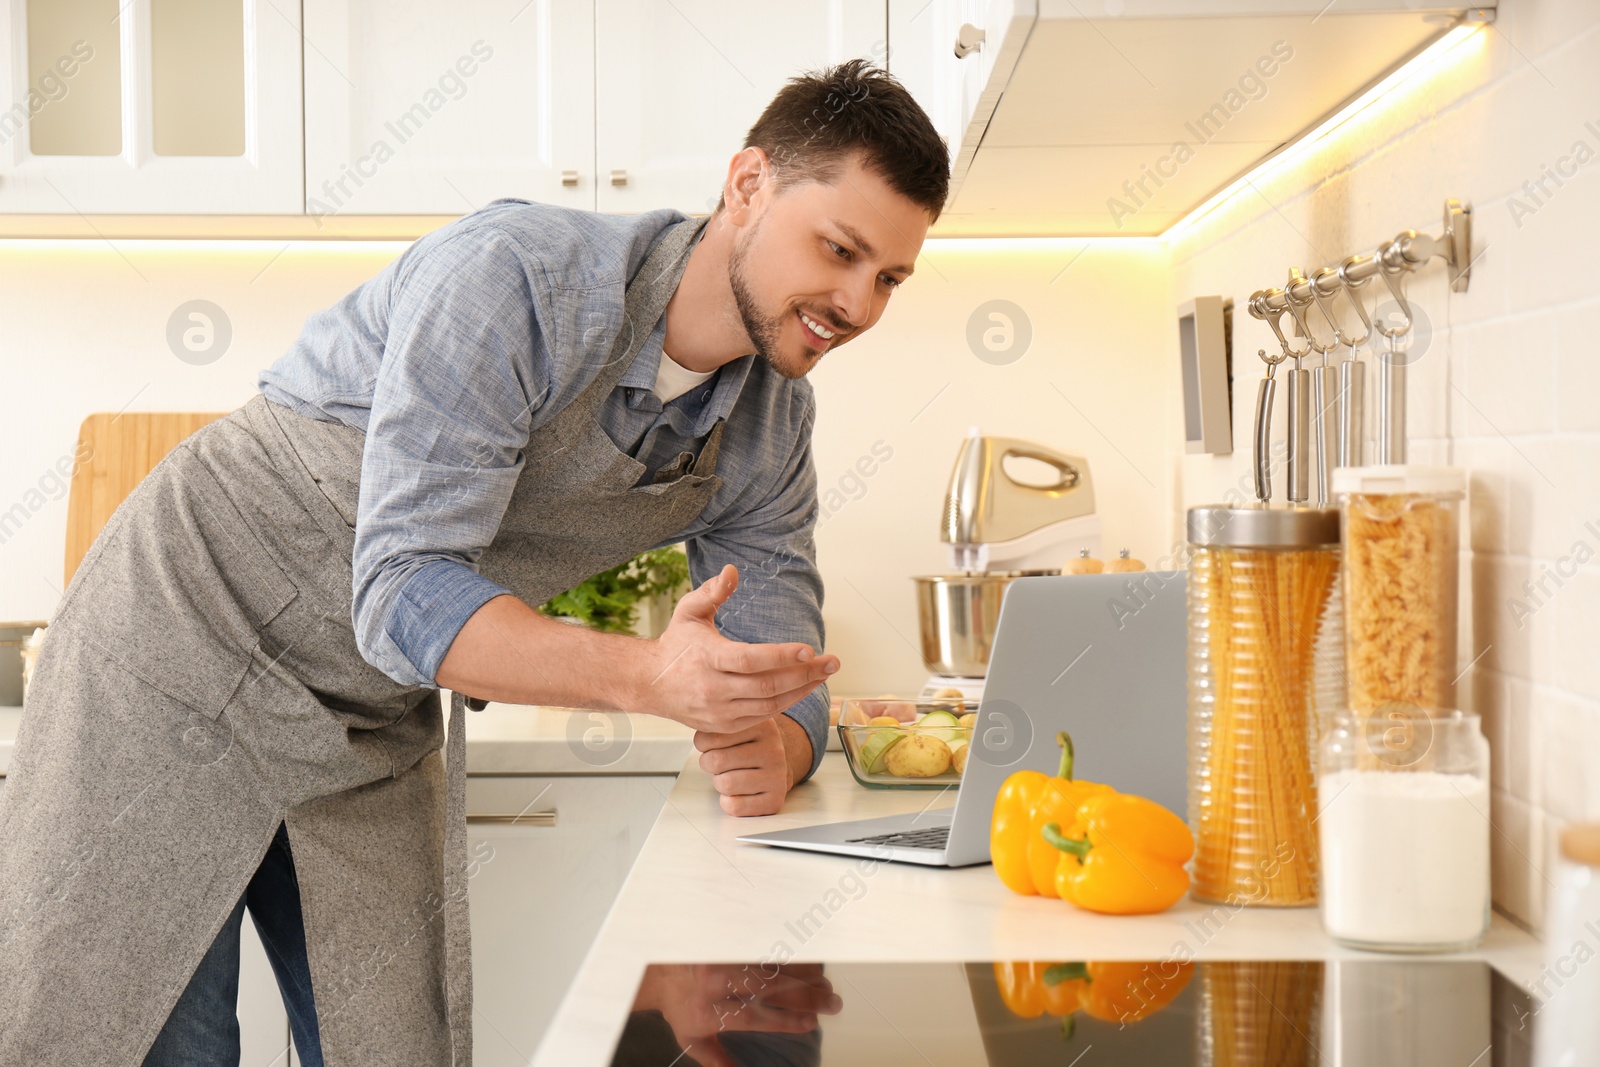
(200, 684)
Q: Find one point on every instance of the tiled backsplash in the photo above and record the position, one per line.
(1506, 379)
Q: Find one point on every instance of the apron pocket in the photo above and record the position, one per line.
(183, 588)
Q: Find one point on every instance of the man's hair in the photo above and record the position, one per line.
(822, 118)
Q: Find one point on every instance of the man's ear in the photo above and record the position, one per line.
(749, 172)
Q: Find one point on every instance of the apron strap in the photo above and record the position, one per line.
(645, 300)
(457, 931)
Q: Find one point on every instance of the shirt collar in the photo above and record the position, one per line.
(726, 385)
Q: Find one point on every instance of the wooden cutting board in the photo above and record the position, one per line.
(115, 452)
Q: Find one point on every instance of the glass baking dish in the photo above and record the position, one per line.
(906, 742)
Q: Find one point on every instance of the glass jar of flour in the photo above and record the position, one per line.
(1403, 821)
(1567, 1033)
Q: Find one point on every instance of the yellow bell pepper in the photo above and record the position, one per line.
(1129, 859)
(1025, 992)
(1027, 800)
(1117, 992)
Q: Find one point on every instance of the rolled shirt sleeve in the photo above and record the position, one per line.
(779, 598)
(452, 410)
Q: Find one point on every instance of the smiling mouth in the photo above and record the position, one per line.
(818, 334)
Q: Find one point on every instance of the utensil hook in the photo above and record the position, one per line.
(1259, 309)
(1391, 278)
(1354, 291)
(1328, 305)
(1297, 308)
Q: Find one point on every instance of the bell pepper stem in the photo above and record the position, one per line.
(1067, 972)
(1069, 1026)
(1064, 739)
(1078, 846)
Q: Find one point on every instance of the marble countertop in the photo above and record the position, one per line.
(519, 739)
(698, 895)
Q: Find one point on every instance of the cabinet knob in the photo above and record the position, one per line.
(569, 178)
(969, 39)
(619, 177)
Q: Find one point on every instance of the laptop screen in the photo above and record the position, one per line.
(1238, 1013)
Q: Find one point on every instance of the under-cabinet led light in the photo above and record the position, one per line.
(1425, 64)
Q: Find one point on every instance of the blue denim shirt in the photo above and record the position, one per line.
(465, 345)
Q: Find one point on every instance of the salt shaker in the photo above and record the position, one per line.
(1568, 1030)
(1403, 822)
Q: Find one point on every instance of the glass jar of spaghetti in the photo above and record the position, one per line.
(1265, 659)
(1401, 571)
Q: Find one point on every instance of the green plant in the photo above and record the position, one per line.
(610, 600)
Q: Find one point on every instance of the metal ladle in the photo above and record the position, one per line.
(1267, 391)
(1352, 372)
(1392, 382)
(1309, 392)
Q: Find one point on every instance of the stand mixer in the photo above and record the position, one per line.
(997, 529)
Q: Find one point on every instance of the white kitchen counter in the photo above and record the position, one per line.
(518, 739)
(697, 895)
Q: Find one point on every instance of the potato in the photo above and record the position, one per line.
(918, 756)
(888, 706)
(898, 710)
(958, 758)
(969, 720)
(883, 720)
(946, 691)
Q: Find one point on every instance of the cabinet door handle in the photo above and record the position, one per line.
(619, 177)
(969, 39)
(569, 178)
(526, 818)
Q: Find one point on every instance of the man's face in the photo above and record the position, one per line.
(816, 259)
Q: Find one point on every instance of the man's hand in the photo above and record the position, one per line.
(755, 768)
(701, 679)
(691, 674)
(703, 1001)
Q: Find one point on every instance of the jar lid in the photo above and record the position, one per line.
(1263, 526)
(1581, 843)
(1390, 478)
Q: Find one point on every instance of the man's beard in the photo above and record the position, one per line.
(765, 331)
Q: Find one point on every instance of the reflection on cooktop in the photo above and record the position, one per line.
(1237, 1013)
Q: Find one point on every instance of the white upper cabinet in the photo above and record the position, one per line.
(955, 57)
(678, 84)
(418, 107)
(1086, 119)
(150, 106)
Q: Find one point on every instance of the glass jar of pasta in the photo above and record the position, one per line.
(1266, 653)
(1400, 526)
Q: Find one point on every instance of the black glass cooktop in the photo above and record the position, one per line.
(1074, 1013)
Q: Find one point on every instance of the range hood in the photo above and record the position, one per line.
(1118, 117)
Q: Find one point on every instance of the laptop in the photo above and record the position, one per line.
(1101, 656)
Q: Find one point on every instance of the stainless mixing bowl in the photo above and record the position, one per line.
(957, 614)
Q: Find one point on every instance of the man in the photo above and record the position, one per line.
(251, 654)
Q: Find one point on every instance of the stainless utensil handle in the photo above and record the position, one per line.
(1264, 394)
(1299, 458)
(1353, 427)
(1392, 407)
(1326, 417)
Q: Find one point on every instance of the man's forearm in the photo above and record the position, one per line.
(511, 653)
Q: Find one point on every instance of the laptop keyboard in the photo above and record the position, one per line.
(936, 837)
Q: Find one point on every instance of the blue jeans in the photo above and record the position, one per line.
(203, 1029)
